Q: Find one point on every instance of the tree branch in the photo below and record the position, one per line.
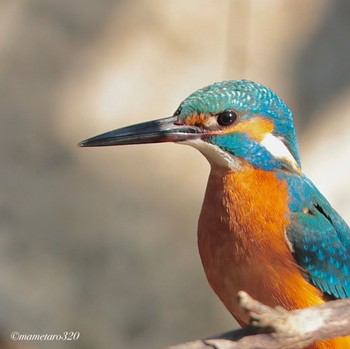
(277, 328)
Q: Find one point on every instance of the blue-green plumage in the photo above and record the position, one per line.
(242, 146)
(319, 238)
(248, 97)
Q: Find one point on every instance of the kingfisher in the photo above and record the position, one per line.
(264, 227)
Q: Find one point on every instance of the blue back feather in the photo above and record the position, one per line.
(319, 236)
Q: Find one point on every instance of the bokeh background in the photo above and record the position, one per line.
(103, 241)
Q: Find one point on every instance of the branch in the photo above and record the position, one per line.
(277, 328)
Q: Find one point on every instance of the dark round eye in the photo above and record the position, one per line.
(178, 111)
(227, 118)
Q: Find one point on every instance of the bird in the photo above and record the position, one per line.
(264, 227)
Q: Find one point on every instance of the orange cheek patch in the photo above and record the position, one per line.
(256, 128)
(196, 119)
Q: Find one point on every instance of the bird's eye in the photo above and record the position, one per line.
(227, 118)
(178, 111)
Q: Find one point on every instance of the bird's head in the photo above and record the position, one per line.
(230, 122)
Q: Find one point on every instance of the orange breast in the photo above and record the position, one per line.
(241, 239)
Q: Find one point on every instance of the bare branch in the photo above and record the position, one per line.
(277, 328)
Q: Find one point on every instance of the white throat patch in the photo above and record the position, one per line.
(215, 155)
(279, 150)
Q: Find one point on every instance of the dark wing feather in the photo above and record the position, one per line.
(321, 242)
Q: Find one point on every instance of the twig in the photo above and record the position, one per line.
(277, 328)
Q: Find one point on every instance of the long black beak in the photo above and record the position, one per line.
(155, 131)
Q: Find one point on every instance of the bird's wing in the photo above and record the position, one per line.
(321, 242)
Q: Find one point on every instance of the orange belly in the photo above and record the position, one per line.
(241, 239)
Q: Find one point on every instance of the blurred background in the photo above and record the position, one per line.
(103, 241)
